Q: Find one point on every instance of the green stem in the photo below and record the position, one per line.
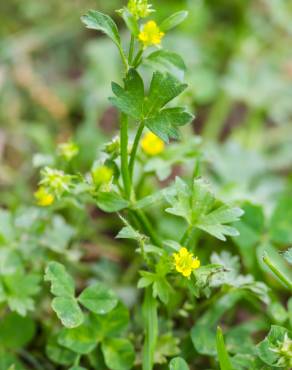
(124, 156)
(138, 58)
(151, 329)
(148, 227)
(124, 59)
(131, 49)
(284, 279)
(186, 236)
(135, 148)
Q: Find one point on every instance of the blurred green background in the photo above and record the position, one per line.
(55, 79)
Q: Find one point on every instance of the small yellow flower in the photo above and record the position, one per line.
(102, 175)
(150, 34)
(68, 150)
(140, 8)
(185, 262)
(43, 197)
(152, 144)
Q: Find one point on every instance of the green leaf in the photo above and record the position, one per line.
(166, 61)
(59, 354)
(10, 262)
(58, 236)
(10, 334)
(167, 346)
(6, 227)
(111, 202)
(62, 283)
(164, 124)
(223, 356)
(118, 353)
(163, 88)
(200, 209)
(274, 349)
(82, 339)
(203, 333)
(68, 311)
(173, 21)
(19, 290)
(250, 228)
(111, 324)
(9, 362)
(281, 220)
(130, 99)
(178, 363)
(98, 298)
(101, 22)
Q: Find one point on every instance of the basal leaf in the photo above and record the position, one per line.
(68, 311)
(101, 22)
(178, 363)
(58, 354)
(62, 283)
(111, 324)
(98, 298)
(118, 353)
(82, 339)
(10, 325)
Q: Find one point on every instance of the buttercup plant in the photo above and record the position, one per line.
(174, 273)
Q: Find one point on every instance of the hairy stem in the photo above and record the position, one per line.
(124, 156)
(135, 148)
(131, 49)
(148, 227)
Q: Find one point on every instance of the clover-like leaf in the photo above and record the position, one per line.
(178, 363)
(68, 311)
(62, 283)
(64, 304)
(98, 298)
(118, 353)
(82, 339)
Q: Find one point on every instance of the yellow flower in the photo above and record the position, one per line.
(150, 34)
(68, 150)
(185, 262)
(102, 175)
(43, 197)
(152, 144)
(140, 8)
